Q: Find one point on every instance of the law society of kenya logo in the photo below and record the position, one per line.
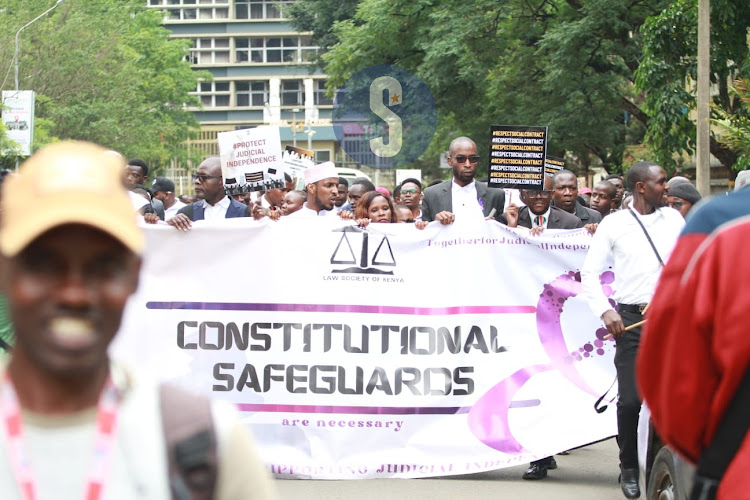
(362, 251)
(384, 117)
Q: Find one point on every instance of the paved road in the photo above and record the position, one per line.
(586, 474)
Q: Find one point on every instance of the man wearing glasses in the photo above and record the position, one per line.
(411, 196)
(213, 202)
(461, 197)
(538, 214)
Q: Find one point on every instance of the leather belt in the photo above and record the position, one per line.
(632, 308)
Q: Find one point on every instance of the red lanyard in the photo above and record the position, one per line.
(106, 418)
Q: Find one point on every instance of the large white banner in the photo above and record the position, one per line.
(386, 352)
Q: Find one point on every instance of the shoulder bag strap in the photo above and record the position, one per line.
(191, 443)
(647, 236)
(730, 433)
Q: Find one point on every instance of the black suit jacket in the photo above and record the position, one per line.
(558, 219)
(587, 215)
(439, 198)
(195, 211)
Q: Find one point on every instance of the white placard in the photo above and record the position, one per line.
(251, 159)
(297, 160)
(403, 174)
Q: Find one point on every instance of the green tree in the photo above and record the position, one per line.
(318, 17)
(572, 65)
(667, 74)
(736, 126)
(565, 64)
(104, 71)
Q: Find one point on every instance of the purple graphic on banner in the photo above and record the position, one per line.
(488, 418)
(371, 410)
(341, 308)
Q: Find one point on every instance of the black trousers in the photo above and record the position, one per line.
(629, 401)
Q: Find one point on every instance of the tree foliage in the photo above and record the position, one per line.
(319, 16)
(667, 74)
(569, 64)
(565, 64)
(736, 126)
(104, 71)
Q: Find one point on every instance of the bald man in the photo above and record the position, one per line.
(462, 196)
(213, 202)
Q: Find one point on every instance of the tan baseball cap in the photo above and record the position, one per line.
(67, 183)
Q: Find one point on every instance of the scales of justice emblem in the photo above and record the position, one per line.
(344, 253)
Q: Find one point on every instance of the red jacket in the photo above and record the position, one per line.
(696, 346)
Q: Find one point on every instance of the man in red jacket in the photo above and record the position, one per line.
(695, 347)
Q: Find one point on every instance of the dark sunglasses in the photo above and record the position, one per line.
(203, 178)
(463, 158)
(536, 193)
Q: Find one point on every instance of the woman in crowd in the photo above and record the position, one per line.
(376, 207)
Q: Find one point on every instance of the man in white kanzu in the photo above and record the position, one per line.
(637, 241)
(321, 183)
(74, 424)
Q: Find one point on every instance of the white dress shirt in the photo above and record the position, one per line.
(172, 211)
(217, 211)
(137, 200)
(620, 240)
(309, 212)
(534, 216)
(464, 200)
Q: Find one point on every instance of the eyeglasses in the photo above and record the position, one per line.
(536, 193)
(462, 158)
(409, 191)
(676, 204)
(203, 178)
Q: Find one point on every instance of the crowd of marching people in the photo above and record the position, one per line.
(68, 273)
(327, 194)
(615, 211)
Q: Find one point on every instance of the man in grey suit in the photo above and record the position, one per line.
(461, 196)
(565, 194)
(538, 214)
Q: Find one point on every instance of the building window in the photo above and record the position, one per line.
(160, 3)
(251, 93)
(210, 51)
(260, 9)
(322, 155)
(292, 93)
(205, 12)
(321, 99)
(213, 94)
(292, 49)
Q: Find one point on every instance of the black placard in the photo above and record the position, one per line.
(553, 164)
(517, 156)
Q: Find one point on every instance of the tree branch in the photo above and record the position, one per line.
(726, 156)
(634, 110)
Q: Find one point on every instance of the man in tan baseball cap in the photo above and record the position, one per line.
(67, 272)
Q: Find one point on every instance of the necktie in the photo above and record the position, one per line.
(540, 220)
